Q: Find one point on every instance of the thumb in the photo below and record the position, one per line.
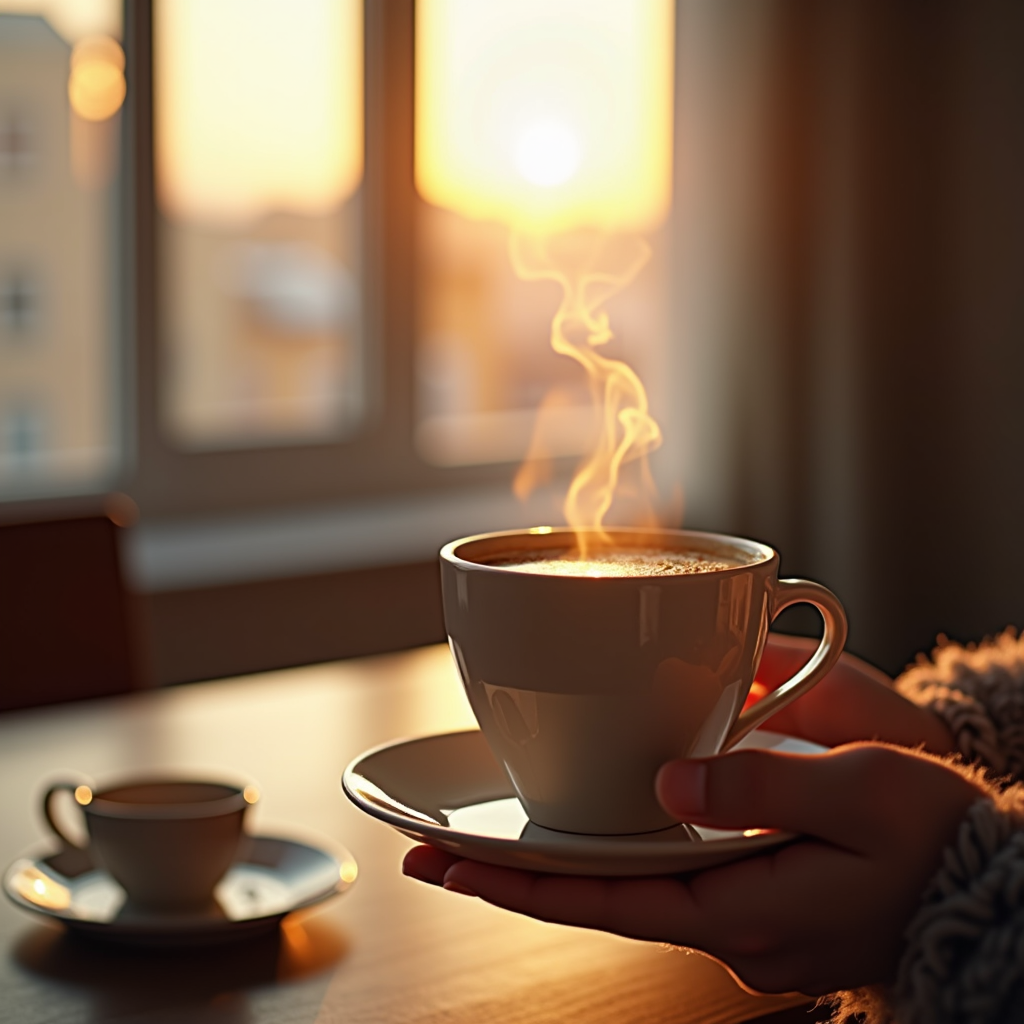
(852, 797)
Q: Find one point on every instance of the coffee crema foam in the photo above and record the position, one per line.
(637, 562)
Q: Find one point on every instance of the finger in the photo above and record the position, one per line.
(855, 701)
(656, 909)
(856, 796)
(845, 708)
(754, 911)
(427, 864)
(785, 655)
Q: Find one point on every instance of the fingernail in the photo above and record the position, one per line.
(460, 889)
(682, 788)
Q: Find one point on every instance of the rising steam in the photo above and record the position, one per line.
(591, 267)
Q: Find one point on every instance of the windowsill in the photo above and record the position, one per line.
(215, 552)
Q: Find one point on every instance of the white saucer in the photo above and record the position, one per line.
(450, 792)
(271, 878)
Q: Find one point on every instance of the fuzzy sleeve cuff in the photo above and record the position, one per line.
(964, 961)
(965, 954)
(979, 691)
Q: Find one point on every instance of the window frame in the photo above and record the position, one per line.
(378, 457)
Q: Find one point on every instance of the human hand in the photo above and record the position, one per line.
(855, 701)
(824, 913)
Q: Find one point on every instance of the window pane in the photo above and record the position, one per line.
(259, 158)
(548, 121)
(489, 387)
(62, 86)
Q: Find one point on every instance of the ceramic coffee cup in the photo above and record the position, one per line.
(168, 842)
(584, 687)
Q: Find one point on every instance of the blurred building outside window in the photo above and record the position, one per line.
(61, 89)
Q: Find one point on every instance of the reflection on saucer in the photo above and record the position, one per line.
(38, 887)
(500, 819)
(506, 819)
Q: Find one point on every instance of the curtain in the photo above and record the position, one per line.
(860, 382)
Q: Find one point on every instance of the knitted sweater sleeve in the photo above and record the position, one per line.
(979, 691)
(964, 960)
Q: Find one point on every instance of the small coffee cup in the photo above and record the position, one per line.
(584, 685)
(168, 842)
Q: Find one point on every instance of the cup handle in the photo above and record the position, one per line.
(74, 790)
(785, 594)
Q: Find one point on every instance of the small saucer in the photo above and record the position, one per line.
(270, 879)
(450, 792)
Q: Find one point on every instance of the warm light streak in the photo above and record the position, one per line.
(83, 795)
(258, 106)
(546, 114)
(96, 85)
(348, 871)
(250, 794)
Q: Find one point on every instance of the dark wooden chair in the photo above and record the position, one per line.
(67, 622)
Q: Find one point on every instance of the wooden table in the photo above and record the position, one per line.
(390, 950)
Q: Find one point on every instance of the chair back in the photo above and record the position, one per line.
(66, 620)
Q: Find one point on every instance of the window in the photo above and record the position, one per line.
(259, 158)
(309, 319)
(277, 373)
(540, 120)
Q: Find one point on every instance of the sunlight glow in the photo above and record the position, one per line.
(96, 85)
(258, 107)
(547, 154)
(546, 115)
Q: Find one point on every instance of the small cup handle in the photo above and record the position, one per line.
(60, 787)
(785, 594)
